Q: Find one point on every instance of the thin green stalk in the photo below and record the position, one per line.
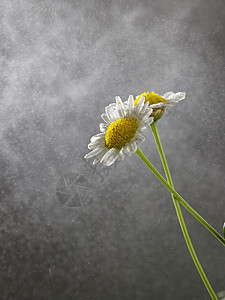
(180, 199)
(179, 213)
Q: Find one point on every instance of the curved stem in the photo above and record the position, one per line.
(179, 213)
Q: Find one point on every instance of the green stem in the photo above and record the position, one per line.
(180, 199)
(179, 213)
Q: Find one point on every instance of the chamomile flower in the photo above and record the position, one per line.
(159, 103)
(122, 130)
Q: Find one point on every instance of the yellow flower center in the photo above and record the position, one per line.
(120, 132)
(151, 97)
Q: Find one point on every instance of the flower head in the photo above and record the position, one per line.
(122, 130)
(159, 103)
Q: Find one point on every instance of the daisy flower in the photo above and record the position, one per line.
(159, 103)
(122, 130)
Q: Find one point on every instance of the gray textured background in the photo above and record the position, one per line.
(71, 231)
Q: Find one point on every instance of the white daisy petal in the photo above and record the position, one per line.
(105, 118)
(126, 151)
(98, 136)
(103, 127)
(99, 157)
(138, 137)
(120, 108)
(144, 108)
(143, 128)
(145, 118)
(145, 121)
(112, 105)
(140, 104)
(96, 144)
(133, 147)
(121, 155)
(147, 113)
(149, 109)
(109, 157)
(130, 104)
(157, 105)
(125, 104)
(175, 97)
(130, 148)
(179, 96)
(121, 112)
(168, 95)
(93, 153)
(169, 103)
(111, 113)
(118, 100)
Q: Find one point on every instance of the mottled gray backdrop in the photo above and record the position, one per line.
(69, 230)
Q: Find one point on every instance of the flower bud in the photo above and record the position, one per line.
(158, 113)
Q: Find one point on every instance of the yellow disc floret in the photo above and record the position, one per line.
(151, 97)
(120, 132)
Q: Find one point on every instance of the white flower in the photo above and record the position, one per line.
(159, 103)
(156, 101)
(122, 130)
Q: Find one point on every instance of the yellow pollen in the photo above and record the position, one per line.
(151, 97)
(120, 132)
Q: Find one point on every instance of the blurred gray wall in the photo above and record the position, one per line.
(69, 230)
